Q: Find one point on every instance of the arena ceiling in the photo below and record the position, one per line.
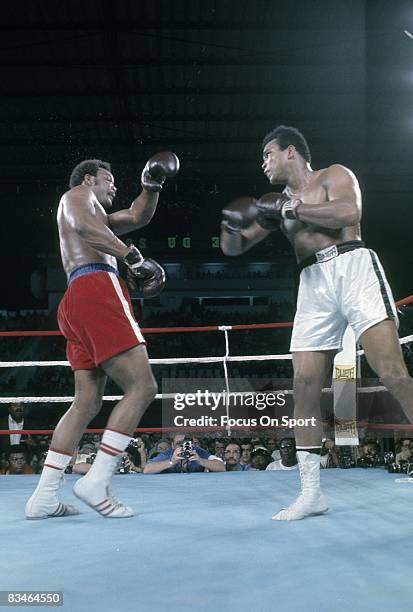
(122, 79)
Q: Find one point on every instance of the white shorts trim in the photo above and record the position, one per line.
(125, 306)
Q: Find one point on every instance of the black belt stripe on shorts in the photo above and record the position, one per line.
(344, 247)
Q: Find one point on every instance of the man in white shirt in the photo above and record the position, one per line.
(288, 455)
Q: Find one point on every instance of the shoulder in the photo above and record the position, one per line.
(337, 172)
(167, 454)
(204, 454)
(76, 195)
(274, 465)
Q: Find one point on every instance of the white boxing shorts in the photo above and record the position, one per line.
(343, 284)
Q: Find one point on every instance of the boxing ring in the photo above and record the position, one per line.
(199, 541)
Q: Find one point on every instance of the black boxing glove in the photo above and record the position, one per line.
(239, 214)
(151, 277)
(272, 207)
(157, 169)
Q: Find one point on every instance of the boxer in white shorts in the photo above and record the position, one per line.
(341, 282)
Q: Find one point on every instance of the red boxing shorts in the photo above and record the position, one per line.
(96, 318)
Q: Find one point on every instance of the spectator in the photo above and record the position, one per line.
(405, 451)
(260, 458)
(219, 449)
(160, 447)
(328, 456)
(135, 457)
(232, 458)
(84, 458)
(246, 450)
(174, 459)
(15, 419)
(271, 446)
(17, 460)
(288, 460)
(40, 450)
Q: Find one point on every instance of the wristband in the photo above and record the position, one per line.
(230, 229)
(289, 209)
(134, 258)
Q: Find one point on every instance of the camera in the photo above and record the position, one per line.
(187, 448)
(134, 444)
(345, 459)
(123, 468)
(91, 458)
(403, 467)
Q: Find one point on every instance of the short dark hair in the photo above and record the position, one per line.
(88, 166)
(17, 448)
(234, 443)
(287, 135)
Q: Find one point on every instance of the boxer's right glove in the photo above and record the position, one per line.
(238, 215)
(157, 169)
(272, 207)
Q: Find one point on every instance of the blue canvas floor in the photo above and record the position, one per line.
(205, 542)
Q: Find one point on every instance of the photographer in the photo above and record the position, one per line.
(134, 459)
(184, 457)
(84, 458)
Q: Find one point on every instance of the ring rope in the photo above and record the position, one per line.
(115, 398)
(218, 359)
(172, 330)
(361, 424)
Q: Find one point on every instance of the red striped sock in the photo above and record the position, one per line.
(112, 446)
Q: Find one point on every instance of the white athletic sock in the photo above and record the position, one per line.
(55, 464)
(112, 446)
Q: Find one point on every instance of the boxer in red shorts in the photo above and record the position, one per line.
(103, 338)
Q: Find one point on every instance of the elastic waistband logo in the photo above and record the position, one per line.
(326, 254)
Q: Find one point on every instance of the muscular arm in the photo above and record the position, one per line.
(82, 216)
(236, 244)
(343, 208)
(137, 215)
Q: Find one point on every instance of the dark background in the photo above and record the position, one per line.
(206, 79)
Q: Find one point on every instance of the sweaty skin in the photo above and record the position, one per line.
(87, 233)
(331, 209)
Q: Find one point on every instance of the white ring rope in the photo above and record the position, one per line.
(15, 364)
(222, 359)
(115, 398)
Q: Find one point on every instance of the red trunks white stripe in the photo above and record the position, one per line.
(96, 318)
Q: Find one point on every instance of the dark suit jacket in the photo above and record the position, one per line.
(5, 438)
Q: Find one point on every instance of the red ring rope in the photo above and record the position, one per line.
(361, 424)
(172, 330)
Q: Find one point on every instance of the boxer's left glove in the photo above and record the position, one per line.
(157, 169)
(134, 259)
(149, 274)
(151, 277)
(272, 207)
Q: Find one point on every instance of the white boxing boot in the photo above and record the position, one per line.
(100, 496)
(311, 501)
(95, 489)
(44, 502)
